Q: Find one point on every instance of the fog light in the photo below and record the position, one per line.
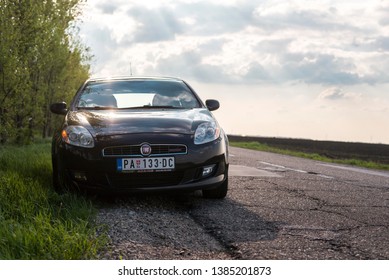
(79, 176)
(207, 170)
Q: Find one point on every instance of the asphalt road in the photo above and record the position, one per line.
(278, 207)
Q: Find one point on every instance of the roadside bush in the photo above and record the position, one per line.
(36, 222)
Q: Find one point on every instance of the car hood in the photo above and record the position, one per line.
(181, 121)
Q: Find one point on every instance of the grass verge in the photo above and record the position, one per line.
(266, 148)
(35, 221)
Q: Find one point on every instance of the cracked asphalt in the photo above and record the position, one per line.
(278, 207)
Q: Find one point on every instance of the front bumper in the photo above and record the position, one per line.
(89, 169)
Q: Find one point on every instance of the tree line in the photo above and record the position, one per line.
(41, 62)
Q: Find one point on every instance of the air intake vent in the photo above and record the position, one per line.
(135, 150)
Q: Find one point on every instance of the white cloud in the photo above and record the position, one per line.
(279, 41)
(154, 25)
(336, 93)
(334, 53)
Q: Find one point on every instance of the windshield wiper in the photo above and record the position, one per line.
(152, 107)
(130, 108)
(98, 108)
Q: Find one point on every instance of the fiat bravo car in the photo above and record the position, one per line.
(139, 134)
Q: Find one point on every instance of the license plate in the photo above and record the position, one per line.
(145, 164)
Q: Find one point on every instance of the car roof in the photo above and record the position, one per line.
(128, 78)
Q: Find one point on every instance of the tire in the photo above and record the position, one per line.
(60, 181)
(219, 192)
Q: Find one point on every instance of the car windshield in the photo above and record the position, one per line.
(130, 94)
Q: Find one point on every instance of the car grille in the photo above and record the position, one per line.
(156, 150)
(144, 180)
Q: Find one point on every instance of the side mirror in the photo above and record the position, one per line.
(59, 108)
(212, 104)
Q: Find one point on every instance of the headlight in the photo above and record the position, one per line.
(206, 132)
(78, 136)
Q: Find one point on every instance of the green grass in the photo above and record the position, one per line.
(35, 221)
(266, 148)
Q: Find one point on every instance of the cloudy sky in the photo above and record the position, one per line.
(301, 69)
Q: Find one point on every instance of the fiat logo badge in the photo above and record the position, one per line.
(145, 149)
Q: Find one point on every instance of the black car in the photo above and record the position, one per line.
(140, 134)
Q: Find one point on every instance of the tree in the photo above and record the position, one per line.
(41, 60)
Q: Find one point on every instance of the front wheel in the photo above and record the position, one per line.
(219, 192)
(60, 181)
